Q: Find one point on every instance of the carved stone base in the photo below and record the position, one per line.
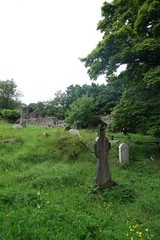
(109, 184)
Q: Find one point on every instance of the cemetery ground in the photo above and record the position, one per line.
(47, 190)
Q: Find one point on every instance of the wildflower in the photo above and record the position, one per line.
(140, 234)
(135, 226)
(146, 229)
(131, 229)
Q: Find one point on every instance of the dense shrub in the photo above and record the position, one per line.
(10, 115)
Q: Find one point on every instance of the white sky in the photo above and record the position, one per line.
(41, 41)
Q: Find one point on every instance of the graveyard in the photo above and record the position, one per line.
(47, 188)
(80, 144)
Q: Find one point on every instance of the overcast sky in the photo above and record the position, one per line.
(41, 41)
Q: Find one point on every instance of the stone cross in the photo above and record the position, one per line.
(123, 154)
(101, 150)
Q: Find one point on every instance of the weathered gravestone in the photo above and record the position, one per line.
(101, 150)
(74, 132)
(123, 154)
(17, 126)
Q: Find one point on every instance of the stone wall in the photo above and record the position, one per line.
(35, 118)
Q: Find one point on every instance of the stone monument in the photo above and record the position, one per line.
(74, 132)
(101, 150)
(123, 153)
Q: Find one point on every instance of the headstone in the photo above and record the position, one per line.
(123, 154)
(74, 132)
(17, 126)
(101, 150)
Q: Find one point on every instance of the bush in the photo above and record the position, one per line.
(10, 115)
(72, 146)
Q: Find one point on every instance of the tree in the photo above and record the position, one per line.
(73, 93)
(40, 105)
(131, 36)
(9, 94)
(82, 112)
(105, 96)
(57, 106)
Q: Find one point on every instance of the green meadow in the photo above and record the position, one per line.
(47, 187)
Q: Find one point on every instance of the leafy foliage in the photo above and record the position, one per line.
(10, 115)
(131, 36)
(81, 112)
(9, 95)
(72, 145)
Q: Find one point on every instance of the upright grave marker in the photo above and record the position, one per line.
(123, 154)
(101, 150)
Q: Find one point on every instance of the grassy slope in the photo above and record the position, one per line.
(46, 188)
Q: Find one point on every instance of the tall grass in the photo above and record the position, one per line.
(47, 190)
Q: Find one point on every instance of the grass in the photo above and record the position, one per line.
(47, 191)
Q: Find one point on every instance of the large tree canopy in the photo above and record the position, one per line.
(131, 36)
(9, 94)
(82, 112)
